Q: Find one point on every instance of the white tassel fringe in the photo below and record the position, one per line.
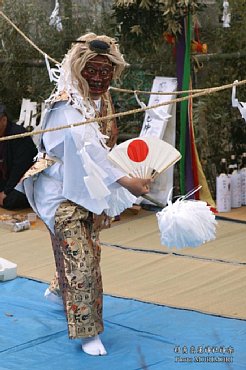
(186, 223)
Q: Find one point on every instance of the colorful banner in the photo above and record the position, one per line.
(191, 173)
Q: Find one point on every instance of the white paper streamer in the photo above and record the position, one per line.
(54, 73)
(55, 19)
(226, 17)
(236, 104)
(94, 179)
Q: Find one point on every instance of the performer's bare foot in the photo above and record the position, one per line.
(93, 346)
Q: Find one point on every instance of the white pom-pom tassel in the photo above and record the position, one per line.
(186, 223)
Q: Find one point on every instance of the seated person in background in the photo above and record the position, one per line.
(16, 156)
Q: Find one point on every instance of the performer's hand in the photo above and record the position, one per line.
(135, 185)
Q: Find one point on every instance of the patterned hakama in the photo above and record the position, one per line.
(77, 256)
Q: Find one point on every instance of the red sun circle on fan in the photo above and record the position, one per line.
(137, 150)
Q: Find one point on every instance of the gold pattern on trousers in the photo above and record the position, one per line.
(77, 255)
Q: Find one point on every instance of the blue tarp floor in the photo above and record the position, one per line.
(138, 335)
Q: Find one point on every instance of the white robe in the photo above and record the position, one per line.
(83, 174)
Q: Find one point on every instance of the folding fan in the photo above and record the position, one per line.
(144, 157)
(185, 223)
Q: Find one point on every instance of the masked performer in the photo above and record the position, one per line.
(81, 189)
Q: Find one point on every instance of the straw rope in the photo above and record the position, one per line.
(112, 88)
(127, 91)
(192, 94)
(121, 114)
(27, 39)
